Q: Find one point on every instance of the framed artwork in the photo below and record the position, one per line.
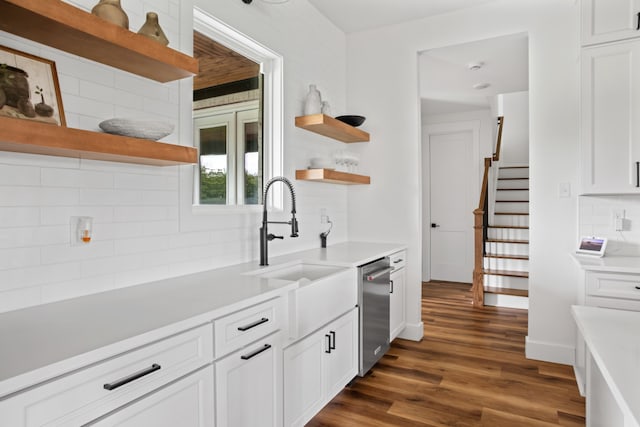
(29, 88)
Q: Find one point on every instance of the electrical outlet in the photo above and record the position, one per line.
(618, 219)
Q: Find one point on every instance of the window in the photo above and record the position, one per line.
(230, 146)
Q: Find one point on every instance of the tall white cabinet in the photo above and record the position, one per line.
(610, 93)
(609, 20)
(397, 318)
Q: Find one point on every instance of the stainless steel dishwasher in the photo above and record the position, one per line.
(373, 300)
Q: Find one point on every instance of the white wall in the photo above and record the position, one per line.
(137, 235)
(387, 93)
(515, 132)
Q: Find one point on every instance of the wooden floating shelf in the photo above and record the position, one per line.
(58, 24)
(24, 136)
(332, 176)
(332, 128)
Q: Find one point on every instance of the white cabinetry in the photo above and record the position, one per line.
(608, 290)
(397, 319)
(100, 389)
(249, 385)
(609, 20)
(611, 118)
(186, 403)
(317, 367)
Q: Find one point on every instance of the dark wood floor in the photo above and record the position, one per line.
(469, 370)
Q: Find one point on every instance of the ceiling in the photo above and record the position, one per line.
(358, 15)
(219, 64)
(446, 82)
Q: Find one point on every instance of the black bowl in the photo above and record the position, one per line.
(354, 121)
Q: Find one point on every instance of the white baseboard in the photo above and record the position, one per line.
(549, 352)
(413, 332)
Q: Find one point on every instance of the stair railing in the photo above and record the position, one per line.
(481, 223)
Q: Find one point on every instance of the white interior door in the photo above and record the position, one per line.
(451, 219)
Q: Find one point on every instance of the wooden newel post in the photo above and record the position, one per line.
(478, 263)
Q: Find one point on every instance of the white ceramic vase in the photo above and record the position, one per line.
(313, 101)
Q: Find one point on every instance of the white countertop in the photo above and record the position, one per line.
(40, 342)
(612, 338)
(613, 264)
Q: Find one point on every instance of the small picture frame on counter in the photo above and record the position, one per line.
(29, 88)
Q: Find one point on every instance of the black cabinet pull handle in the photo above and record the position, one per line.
(333, 337)
(637, 174)
(132, 377)
(253, 325)
(638, 27)
(398, 260)
(637, 287)
(255, 353)
(328, 337)
(391, 283)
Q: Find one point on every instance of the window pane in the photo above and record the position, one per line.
(252, 169)
(213, 165)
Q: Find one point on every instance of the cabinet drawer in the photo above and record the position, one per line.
(398, 260)
(101, 388)
(624, 286)
(243, 327)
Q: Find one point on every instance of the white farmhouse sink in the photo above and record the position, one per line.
(324, 292)
(302, 272)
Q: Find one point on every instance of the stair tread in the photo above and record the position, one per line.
(522, 257)
(512, 201)
(513, 167)
(512, 189)
(510, 179)
(517, 227)
(511, 213)
(511, 273)
(506, 291)
(507, 241)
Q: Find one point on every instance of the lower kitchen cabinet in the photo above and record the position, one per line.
(249, 385)
(397, 319)
(318, 366)
(187, 402)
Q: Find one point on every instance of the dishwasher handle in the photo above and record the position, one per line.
(374, 276)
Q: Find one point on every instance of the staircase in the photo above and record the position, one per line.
(506, 257)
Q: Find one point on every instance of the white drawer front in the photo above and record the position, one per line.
(245, 326)
(82, 396)
(398, 259)
(624, 286)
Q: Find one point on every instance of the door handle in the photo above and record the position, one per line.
(391, 283)
(332, 346)
(638, 27)
(256, 352)
(434, 225)
(638, 163)
(136, 375)
(328, 337)
(374, 276)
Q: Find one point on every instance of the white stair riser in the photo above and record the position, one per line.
(509, 301)
(513, 183)
(508, 282)
(499, 248)
(506, 264)
(512, 195)
(508, 233)
(513, 173)
(512, 207)
(511, 220)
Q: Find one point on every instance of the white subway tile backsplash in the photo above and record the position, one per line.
(596, 218)
(132, 181)
(74, 288)
(76, 178)
(19, 257)
(56, 254)
(19, 175)
(19, 217)
(19, 237)
(39, 275)
(88, 107)
(19, 298)
(62, 215)
(39, 196)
